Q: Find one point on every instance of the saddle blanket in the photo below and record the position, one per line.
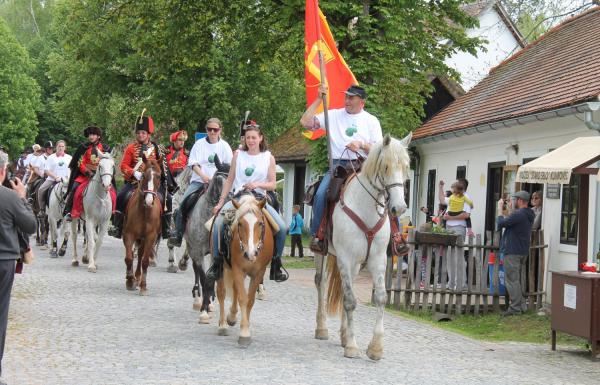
(78, 199)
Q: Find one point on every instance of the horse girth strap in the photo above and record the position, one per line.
(369, 232)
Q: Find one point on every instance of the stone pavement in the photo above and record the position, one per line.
(68, 326)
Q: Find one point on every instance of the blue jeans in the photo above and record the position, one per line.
(279, 236)
(192, 188)
(321, 197)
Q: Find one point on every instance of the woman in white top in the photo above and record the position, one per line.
(253, 170)
(202, 163)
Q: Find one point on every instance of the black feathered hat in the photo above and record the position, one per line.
(144, 123)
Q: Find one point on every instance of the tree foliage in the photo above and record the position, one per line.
(19, 94)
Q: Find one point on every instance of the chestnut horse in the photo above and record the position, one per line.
(251, 249)
(141, 225)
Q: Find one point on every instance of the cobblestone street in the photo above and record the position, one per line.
(68, 326)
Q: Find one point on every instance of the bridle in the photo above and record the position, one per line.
(261, 241)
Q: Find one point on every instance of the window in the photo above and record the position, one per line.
(461, 172)
(431, 191)
(568, 212)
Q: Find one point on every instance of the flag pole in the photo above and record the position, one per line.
(323, 80)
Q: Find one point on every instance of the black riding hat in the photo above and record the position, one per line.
(92, 130)
(49, 144)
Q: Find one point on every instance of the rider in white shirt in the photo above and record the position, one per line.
(56, 169)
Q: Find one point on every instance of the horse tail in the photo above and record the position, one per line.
(334, 292)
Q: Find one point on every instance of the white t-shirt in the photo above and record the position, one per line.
(251, 168)
(345, 128)
(203, 154)
(59, 165)
(38, 161)
(28, 159)
(458, 222)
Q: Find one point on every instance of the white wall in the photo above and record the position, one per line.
(500, 44)
(477, 150)
(287, 201)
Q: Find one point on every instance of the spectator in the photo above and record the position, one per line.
(536, 206)
(465, 183)
(15, 215)
(296, 231)
(515, 244)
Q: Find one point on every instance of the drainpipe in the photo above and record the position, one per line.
(588, 116)
(588, 119)
(415, 197)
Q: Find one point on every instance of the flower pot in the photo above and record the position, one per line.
(436, 238)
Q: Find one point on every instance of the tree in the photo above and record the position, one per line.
(19, 94)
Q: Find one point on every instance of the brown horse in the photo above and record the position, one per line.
(251, 249)
(141, 225)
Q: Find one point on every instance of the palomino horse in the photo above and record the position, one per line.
(362, 209)
(97, 209)
(141, 225)
(56, 205)
(250, 251)
(197, 237)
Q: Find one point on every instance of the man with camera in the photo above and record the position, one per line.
(15, 215)
(514, 244)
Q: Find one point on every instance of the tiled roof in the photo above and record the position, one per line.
(557, 70)
(290, 146)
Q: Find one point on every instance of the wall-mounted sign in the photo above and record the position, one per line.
(553, 191)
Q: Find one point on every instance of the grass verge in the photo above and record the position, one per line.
(298, 263)
(528, 327)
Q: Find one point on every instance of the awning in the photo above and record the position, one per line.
(556, 166)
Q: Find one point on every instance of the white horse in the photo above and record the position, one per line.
(376, 191)
(56, 205)
(183, 181)
(97, 209)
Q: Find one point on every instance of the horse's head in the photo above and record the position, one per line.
(106, 169)
(387, 168)
(249, 224)
(150, 180)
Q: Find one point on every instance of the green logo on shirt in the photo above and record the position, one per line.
(211, 158)
(351, 131)
(249, 170)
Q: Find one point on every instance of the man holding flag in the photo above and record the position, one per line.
(349, 128)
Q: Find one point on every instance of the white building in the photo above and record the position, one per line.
(539, 99)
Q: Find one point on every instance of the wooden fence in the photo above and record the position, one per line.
(424, 285)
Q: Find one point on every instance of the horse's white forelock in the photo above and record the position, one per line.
(247, 204)
(394, 155)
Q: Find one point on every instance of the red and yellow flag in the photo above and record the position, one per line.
(317, 36)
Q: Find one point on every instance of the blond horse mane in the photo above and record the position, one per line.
(389, 157)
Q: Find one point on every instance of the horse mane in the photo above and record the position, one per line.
(394, 156)
(248, 204)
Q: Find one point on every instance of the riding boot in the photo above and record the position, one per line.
(167, 233)
(69, 206)
(177, 237)
(275, 274)
(117, 222)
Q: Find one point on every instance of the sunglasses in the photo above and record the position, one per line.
(212, 129)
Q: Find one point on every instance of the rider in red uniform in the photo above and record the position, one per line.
(177, 157)
(84, 164)
(143, 130)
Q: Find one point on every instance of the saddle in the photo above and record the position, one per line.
(190, 202)
(48, 192)
(33, 189)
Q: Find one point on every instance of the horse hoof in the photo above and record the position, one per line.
(172, 269)
(62, 251)
(211, 308)
(130, 284)
(75, 263)
(85, 260)
(374, 353)
(143, 292)
(182, 264)
(351, 352)
(197, 306)
(152, 263)
(92, 269)
(244, 341)
(230, 322)
(321, 334)
(223, 332)
(204, 318)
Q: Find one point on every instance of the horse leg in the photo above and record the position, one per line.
(128, 242)
(183, 261)
(238, 283)
(99, 234)
(233, 310)
(375, 349)
(196, 294)
(74, 224)
(223, 330)
(90, 235)
(321, 332)
(140, 256)
(206, 295)
(350, 347)
(64, 230)
(53, 238)
(148, 253)
(172, 268)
